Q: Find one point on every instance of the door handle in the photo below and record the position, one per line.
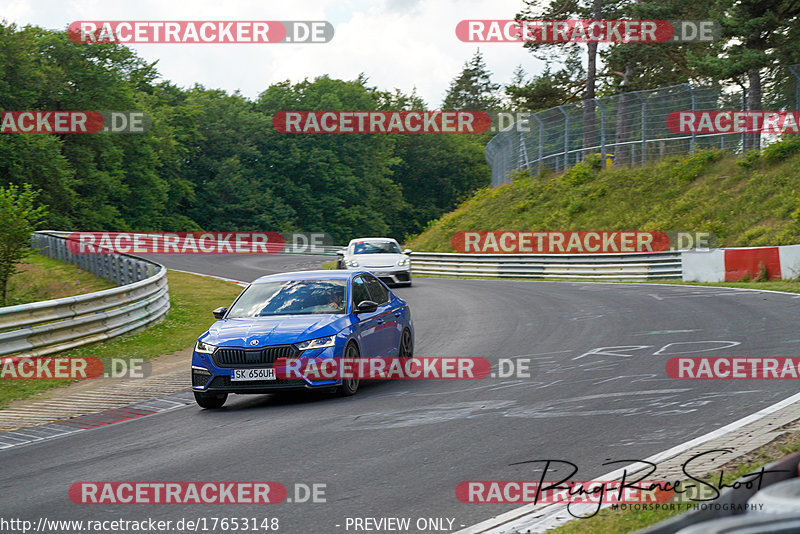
(397, 314)
(379, 321)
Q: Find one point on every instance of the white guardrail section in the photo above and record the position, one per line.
(629, 266)
(41, 328)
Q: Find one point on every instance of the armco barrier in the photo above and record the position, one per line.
(51, 326)
(634, 266)
(718, 265)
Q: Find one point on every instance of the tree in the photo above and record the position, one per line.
(473, 90)
(573, 9)
(757, 32)
(19, 219)
(548, 89)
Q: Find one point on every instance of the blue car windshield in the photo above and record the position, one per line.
(290, 298)
(382, 247)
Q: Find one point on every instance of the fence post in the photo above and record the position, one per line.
(644, 128)
(602, 131)
(693, 140)
(744, 108)
(523, 150)
(541, 140)
(566, 136)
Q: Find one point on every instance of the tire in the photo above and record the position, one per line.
(210, 401)
(406, 345)
(349, 385)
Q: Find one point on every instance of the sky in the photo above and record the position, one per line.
(397, 44)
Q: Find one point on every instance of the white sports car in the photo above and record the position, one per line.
(379, 255)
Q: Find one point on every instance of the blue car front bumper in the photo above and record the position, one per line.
(212, 372)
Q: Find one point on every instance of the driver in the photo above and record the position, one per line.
(335, 300)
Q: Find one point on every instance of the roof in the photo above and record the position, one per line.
(372, 239)
(322, 274)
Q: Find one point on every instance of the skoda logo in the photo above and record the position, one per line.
(254, 342)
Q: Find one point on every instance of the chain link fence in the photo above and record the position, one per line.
(628, 129)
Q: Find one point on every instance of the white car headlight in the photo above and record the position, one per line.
(204, 348)
(403, 261)
(320, 343)
(351, 263)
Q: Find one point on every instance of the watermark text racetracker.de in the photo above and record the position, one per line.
(381, 122)
(587, 31)
(73, 122)
(71, 368)
(223, 493)
(400, 368)
(197, 242)
(728, 122)
(200, 31)
(578, 242)
(733, 368)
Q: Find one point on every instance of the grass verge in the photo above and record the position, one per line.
(43, 278)
(751, 200)
(192, 298)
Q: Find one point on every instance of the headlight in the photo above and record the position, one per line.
(321, 343)
(351, 263)
(403, 261)
(204, 348)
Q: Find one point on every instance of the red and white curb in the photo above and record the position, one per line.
(25, 436)
(733, 264)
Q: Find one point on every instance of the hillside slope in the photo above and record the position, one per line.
(746, 201)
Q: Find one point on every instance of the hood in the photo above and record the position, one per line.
(377, 260)
(279, 330)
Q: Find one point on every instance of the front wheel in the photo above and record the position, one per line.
(406, 345)
(349, 385)
(210, 400)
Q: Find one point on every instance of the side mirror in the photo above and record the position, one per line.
(340, 252)
(219, 312)
(407, 251)
(366, 306)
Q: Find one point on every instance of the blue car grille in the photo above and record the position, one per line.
(239, 357)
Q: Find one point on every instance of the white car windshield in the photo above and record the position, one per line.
(376, 247)
(297, 297)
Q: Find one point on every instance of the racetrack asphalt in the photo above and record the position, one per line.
(598, 392)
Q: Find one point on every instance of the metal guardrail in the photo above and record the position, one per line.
(633, 266)
(50, 326)
(323, 251)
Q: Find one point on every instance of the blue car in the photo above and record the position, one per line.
(307, 314)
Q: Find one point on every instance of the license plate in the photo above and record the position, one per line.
(252, 374)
